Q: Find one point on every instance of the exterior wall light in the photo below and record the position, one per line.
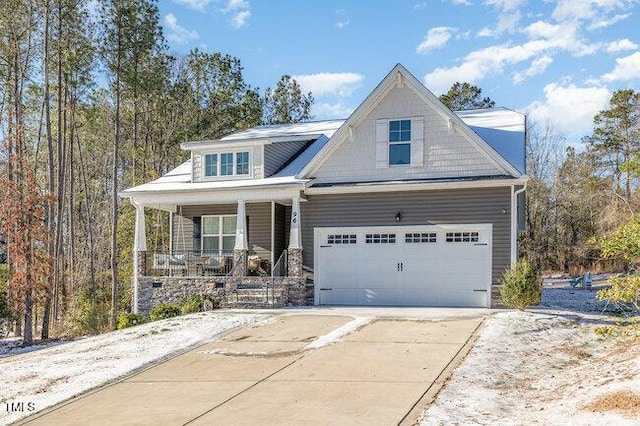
(398, 216)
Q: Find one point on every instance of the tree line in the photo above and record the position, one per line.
(92, 101)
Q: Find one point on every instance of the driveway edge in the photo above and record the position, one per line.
(432, 392)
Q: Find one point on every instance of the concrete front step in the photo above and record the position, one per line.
(253, 298)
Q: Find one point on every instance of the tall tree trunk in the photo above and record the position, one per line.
(51, 176)
(114, 187)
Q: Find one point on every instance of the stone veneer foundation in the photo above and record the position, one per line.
(292, 290)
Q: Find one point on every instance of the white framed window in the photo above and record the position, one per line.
(242, 163)
(399, 142)
(218, 233)
(226, 164)
(211, 165)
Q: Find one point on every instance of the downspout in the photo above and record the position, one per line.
(514, 221)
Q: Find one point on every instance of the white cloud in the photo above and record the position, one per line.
(508, 15)
(324, 111)
(421, 5)
(461, 2)
(538, 66)
(234, 5)
(620, 45)
(343, 20)
(607, 22)
(576, 106)
(177, 33)
(627, 68)
(239, 11)
(241, 19)
(340, 25)
(199, 5)
(478, 64)
(435, 39)
(486, 32)
(342, 84)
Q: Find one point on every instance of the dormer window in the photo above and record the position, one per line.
(226, 164)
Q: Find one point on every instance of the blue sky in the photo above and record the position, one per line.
(558, 60)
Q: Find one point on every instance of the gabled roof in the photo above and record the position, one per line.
(399, 75)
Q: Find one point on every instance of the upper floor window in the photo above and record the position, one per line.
(399, 142)
(226, 164)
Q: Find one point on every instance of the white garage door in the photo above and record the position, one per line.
(444, 265)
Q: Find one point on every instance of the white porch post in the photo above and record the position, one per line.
(294, 253)
(139, 247)
(295, 240)
(241, 227)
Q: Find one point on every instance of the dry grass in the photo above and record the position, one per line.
(625, 402)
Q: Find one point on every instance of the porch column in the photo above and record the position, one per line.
(294, 251)
(241, 246)
(139, 251)
(241, 227)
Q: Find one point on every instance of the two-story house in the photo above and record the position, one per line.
(403, 203)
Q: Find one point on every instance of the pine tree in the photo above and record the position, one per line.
(463, 96)
(286, 103)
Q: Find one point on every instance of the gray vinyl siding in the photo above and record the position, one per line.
(259, 230)
(417, 208)
(278, 154)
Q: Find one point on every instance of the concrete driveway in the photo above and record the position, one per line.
(383, 372)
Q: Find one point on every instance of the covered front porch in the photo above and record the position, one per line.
(244, 251)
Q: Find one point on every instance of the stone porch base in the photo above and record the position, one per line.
(233, 292)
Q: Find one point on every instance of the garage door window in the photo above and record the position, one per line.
(380, 238)
(462, 237)
(342, 239)
(422, 237)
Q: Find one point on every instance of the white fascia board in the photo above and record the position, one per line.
(216, 196)
(239, 143)
(422, 186)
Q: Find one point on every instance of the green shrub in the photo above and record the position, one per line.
(128, 320)
(624, 290)
(520, 286)
(163, 311)
(191, 305)
(199, 303)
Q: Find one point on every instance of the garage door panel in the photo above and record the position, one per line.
(410, 266)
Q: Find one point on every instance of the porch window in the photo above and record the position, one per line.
(218, 233)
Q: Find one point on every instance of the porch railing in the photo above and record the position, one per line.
(185, 263)
(280, 268)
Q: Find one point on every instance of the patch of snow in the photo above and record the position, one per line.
(542, 366)
(55, 374)
(339, 332)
